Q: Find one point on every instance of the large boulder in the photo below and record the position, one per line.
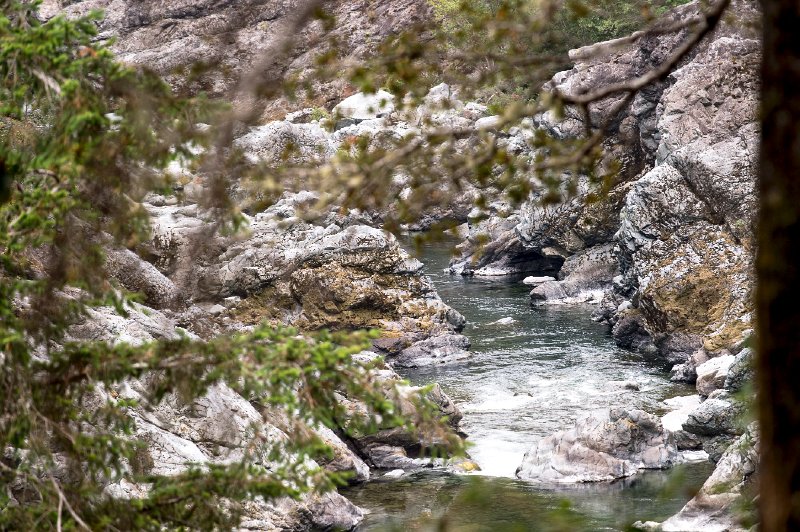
(440, 349)
(583, 277)
(718, 415)
(711, 375)
(494, 248)
(286, 143)
(362, 106)
(719, 505)
(603, 446)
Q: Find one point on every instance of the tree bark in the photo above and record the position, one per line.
(778, 269)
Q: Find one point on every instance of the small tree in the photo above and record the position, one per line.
(84, 138)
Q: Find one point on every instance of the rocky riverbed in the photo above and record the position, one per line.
(665, 256)
(532, 372)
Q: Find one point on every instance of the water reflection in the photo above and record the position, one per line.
(420, 501)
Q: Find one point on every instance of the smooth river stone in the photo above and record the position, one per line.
(603, 446)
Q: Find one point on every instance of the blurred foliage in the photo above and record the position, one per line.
(573, 24)
(84, 139)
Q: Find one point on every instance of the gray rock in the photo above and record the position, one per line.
(361, 106)
(678, 347)
(687, 371)
(582, 279)
(629, 332)
(549, 290)
(488, 123)
(279, 143)
(686, 441)
(441, 349)
(344, 459)
(231, 38)
(681, 213)
(138, 275)
(494, 248)
(741, 372)
(716, 416)
(711, 375)
(732, 482)
(715, 447)
(395, 457)
(603, 446)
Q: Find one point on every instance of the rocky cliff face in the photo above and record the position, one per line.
(679, 219)
(227, 38)
(334, 272)
(680, 226)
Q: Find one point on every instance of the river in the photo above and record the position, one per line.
(525, 380)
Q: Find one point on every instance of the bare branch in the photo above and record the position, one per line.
(63, 499)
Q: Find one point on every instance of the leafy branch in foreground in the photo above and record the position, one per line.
(84, 139)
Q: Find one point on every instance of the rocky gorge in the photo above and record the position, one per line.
(665, 256)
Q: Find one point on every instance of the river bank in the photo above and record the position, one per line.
(528, 377)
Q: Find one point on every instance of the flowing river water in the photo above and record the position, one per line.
(526, 380)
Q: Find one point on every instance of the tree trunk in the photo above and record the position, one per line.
(778, 269)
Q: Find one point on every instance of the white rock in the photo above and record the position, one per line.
(474, 110)
(683, 406)
(361, 106)
(711, 375)
(533, 280)
(603, 446)
(488, 123)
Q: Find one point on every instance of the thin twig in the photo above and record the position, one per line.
(71, 511)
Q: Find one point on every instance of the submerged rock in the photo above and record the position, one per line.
(603, 446)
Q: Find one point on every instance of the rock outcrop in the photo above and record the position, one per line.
(214, 429)
(603, 446)
(227, 39)
(671, 243)
(721, 504)
(685, 243)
